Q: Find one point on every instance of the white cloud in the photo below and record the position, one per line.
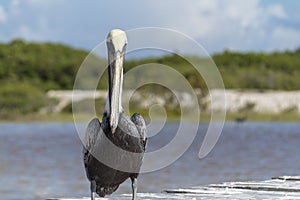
(282, 36)
(216, 24)
(15, 3)
(2, 15)
(235, 24)
(40, 33)
(277, 11)
(15, 7)
(25, 32)
(42, 3)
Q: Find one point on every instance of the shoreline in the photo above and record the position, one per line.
(230, 117)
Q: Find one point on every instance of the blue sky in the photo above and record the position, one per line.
(254, 25)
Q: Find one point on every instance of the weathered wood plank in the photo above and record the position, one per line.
(283, 187)
(232, 193)
(288, 178)
(216, 194)
(269, 185)
(144, 196)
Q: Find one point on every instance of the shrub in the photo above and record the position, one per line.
(20, 98)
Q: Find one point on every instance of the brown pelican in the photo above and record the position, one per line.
(113, 150)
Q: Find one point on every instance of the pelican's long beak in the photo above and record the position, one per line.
(116, 90)
(116, 44)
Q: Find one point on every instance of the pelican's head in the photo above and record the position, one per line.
(116, 42)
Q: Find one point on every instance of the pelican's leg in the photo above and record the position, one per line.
(134, 187)
(93, 189)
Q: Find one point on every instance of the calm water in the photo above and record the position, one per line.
(41, 160)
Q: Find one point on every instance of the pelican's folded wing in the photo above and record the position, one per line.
(140, 124)
(90, 138)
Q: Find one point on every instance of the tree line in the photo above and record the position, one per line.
(29, 69)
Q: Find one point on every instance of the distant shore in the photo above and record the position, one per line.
(234, 117)
(241, 105)
(268, 101)
(260, 86)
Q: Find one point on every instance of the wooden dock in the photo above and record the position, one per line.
(283, 187)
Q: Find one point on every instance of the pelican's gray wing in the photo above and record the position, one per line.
(140, 124)
(90, 138)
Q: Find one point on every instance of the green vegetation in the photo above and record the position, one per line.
(277, 71)
(19, 99)
(28, 70)
(47, 66)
